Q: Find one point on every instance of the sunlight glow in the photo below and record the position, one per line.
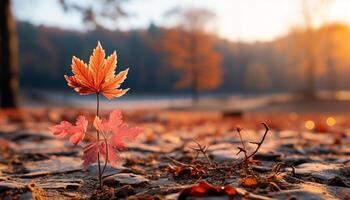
(331, 121)
(248, 20)
(309, 124)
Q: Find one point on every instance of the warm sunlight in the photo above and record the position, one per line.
(175, 99)
(309, 124)
(331, 121)
(247, 20)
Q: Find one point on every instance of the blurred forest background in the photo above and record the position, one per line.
(188, 57)
(247, 67)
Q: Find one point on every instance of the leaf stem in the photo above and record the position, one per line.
(106, 159)
(98, 139)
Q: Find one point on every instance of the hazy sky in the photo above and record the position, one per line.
(247, 20)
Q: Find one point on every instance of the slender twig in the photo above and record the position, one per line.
(259, 143)
(243, 149)
(175, 161)
(202, 149)
(98, 139)
(277, 168)
(275, 185)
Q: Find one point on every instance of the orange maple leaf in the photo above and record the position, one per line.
(97, 77)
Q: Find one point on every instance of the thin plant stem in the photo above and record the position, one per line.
(203, 150)
(98, 139)
(244, 149)
(106, 160)
(261, 141)
(247, 157)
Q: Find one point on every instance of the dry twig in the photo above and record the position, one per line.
(261, 141)
(202, 149)
(241, 149)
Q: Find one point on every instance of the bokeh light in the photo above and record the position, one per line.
(331, 121)
(309, 124)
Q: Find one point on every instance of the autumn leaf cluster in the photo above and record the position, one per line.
(98, 77)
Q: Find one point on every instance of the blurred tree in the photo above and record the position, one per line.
(105, 14)
(308, 47)
(257, 78)
(327, 34)
(331, 44)
(335, 46)
(108, 12)
(189, 49)
(311, 10)
(282, 58)
(300, 51)
(8, 57)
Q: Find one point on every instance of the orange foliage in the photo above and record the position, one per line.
(190, 50)
(323, 50)
(98, 76)
(193, 54)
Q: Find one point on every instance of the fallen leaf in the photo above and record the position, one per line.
(249, 182)
(204, 189)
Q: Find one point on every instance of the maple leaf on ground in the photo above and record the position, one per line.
(204, 189)
(76, 132)
(114, 135)
(249, 182)
(97, 77)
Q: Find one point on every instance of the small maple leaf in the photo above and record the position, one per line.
(249, 182)
(114, 134)
(76, 132)
(97, 77)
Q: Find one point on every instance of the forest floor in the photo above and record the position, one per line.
(178, 154)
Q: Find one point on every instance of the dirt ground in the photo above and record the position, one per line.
(303, 156)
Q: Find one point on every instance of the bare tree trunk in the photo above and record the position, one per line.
(310, 89)
(194, 94)
(8, 57)
(310, 86)
(241, 69)
(332, 74)
(309, 48)
(331, 66)
(194, 65)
